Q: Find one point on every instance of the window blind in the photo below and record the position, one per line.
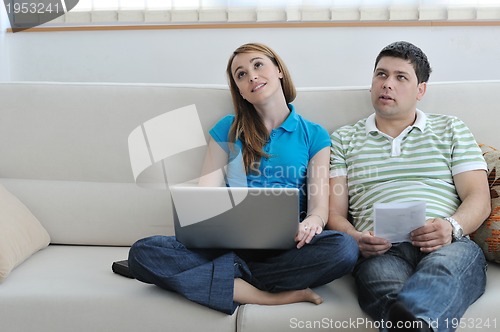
(104, 12)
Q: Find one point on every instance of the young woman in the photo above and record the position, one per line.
(278, 148)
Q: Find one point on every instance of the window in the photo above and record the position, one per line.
(178, 12)
(219, 11)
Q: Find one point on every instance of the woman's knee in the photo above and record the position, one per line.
(339, 250)
(155, 241)
(150, 246)
(343, 245)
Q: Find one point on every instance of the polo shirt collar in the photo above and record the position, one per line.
(292, 121)
(421, 120)
(419, 123)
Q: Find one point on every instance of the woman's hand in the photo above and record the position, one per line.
(308, 228)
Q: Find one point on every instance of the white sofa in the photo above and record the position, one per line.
(64, 154)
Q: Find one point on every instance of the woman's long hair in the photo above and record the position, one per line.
(248, 125)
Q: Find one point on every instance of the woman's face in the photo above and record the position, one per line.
(257, 77)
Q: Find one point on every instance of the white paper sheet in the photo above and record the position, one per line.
(395, 221)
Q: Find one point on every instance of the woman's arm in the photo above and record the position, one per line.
(317, 197)
(212, 174)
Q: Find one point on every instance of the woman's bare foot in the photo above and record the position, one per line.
(312, 297)
(294, 296)
(246, 293)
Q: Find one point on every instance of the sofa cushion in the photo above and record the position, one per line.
(72, 288)
(21, 234)
(487, 236)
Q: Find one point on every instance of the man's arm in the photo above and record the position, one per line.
(337, 219)
(339, 207)
(473, 190)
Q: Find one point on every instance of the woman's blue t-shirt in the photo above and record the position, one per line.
(290, 147)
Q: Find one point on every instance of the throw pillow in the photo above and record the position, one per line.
(487, 236)
(21, 234)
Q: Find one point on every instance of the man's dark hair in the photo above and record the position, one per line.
(407, 51)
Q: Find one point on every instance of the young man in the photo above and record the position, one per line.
(400, 154)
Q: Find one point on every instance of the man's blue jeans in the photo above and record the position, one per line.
(207, 276)
(437, 287)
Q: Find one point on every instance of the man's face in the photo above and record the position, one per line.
(395, 89)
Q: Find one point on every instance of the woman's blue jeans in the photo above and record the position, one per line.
(437, 287)
(207, 276)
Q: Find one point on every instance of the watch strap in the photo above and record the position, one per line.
(457, 230)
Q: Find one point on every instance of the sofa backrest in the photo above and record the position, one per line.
(65, 154)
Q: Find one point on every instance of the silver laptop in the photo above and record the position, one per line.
(235, 217)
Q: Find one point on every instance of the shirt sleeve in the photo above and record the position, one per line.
(338, 165)
(466, 154)
(320, 140)
(220, 131)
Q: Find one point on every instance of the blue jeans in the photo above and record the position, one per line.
(207, 276)
(437, 287)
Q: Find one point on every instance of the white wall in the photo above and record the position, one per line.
(315, 56)
(4, 53)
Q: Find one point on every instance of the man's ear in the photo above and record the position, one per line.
(422, 87)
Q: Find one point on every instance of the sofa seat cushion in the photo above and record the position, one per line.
(72, 288)
(483, 314)
(340, 311)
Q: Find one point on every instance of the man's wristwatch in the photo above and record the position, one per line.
(457, 232)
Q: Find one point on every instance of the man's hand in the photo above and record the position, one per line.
(370, 245)
(435, 234)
